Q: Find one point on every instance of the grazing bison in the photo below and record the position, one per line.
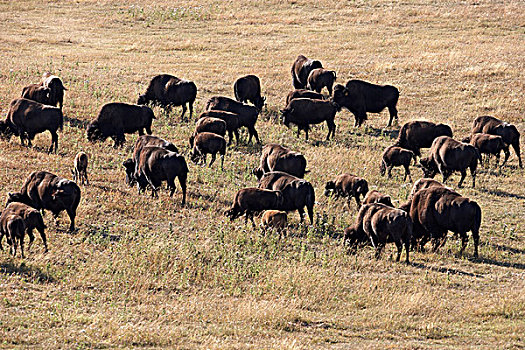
(80, 168)
(32, 220)
(14, 228)
(320, 78)
(116, 119)
(297, 193)
(436, 210)
(167, 91)
(375, 196)
(303, 93)
(232, 121)
(396, 156)
(274, 219)
(489, 144)
(157, 164)
(304, 111)
(360, 97)
(301, 69)
(56, 89)
(144, 141)
(207, 124)
(208, 143)
(275, 157)
(250, 201)
(37, 92)
(448, 155)
(419, 134)
(27, 118)
(382, 224)
(347, 185)
(247, 114)
(508, 132)
(248, 88)
(46, 191)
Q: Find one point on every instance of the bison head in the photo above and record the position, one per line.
(129, 166)
(18, 197)
(258, 172)
(142, 100)
(232, 214)
(361, 187)
(354, 237)
(5, 130)
(341, 96)
(429, 167)
(329, 188)
(285, 116)
(94, 133)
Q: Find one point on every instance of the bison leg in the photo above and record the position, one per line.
(43, 236)
(190, 105)
(222, 161)
(254, 133)
(301, 214)
(22, 245)
(407, 249)
(516, 146)
(399, 247)
(171, 186)
(213, 155)
(31, 238)
(331, 129)
(182, 182)
(464, 241)
(475, 236)
(54, 141)
(507, 154)
(71, 215)
(389, 171)
(393, 114)
(407, 173)
(141, 131)
(184, 108)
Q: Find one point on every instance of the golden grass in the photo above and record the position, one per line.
(148, 273)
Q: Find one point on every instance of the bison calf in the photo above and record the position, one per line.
(208, 124)
(208, 143)
(320, 78)
(248, 88)
(32, 220)
(396, 156)
(377, 197)
(80, 168)
(13, 227)
(347, 185)
(489, 144)
(274, 219)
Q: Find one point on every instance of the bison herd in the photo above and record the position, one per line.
(432, 209)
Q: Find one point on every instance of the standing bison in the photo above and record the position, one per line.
(45, 191)
(489, 144)
(56, 89)
(320, 78)
(167, 91)
(116, 119)
(301, 69)
(508, 132)
(304, 111)
(419, 134)
(360, 97)
(27, 118)
(347, 185)
(275, 157)
(248, 88)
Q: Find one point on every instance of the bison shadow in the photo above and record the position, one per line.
(444, 270)
(26, 272)
(507, 249)
(501, 193)
(109, 189)
(489, 261)
(76, 123)
(376, 132)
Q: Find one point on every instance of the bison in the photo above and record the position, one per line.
(274, 219)
(489, 144)
(26, 118)
(304, 111)
(250, 201)
(347, 185)
(396, 156)
(448, 155)
(56, 89)
(116, 119)
(303, 93)
(32, 220)
(275, 157)
(80, 168)
(231, 119)
(208, 124)
(301, 69)
(419, 134)
(208, 143)
(375, 196)
(320, 78)
(247, 114)
(37, 92)
(167, 91)
(360, 97)
(297, 193)
(436, 210)
(14, 228)
(248, 88)
(157, 164)
(46, 191)
(508, 132)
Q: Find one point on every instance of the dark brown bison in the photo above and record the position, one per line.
(347, 185)
(320, 78)
(360, 97)
(250, 201)
(436, 210)
(232, 121)
(275, 157)
(32, 220)
(301, 69)
(396, 156)
(14, 228)
(208, 143)
(157, 164)
(489, 144)
(419, 134)
(304, 111)
(80, 168)
(144, 141)
(448, 155)
(208, 124)
(27, 118)
(248, 88)
(375, 196)
(247, 114)
(508, 132)
(297, 193)
(167, 91)
(116, 119)
(303, 93)
(36, 92)
(56, 89)
(46, 191)
(382, 224)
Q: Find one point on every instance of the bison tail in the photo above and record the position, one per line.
(335, 75)
(61, 121)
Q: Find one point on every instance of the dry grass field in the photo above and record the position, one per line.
(143, 272)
